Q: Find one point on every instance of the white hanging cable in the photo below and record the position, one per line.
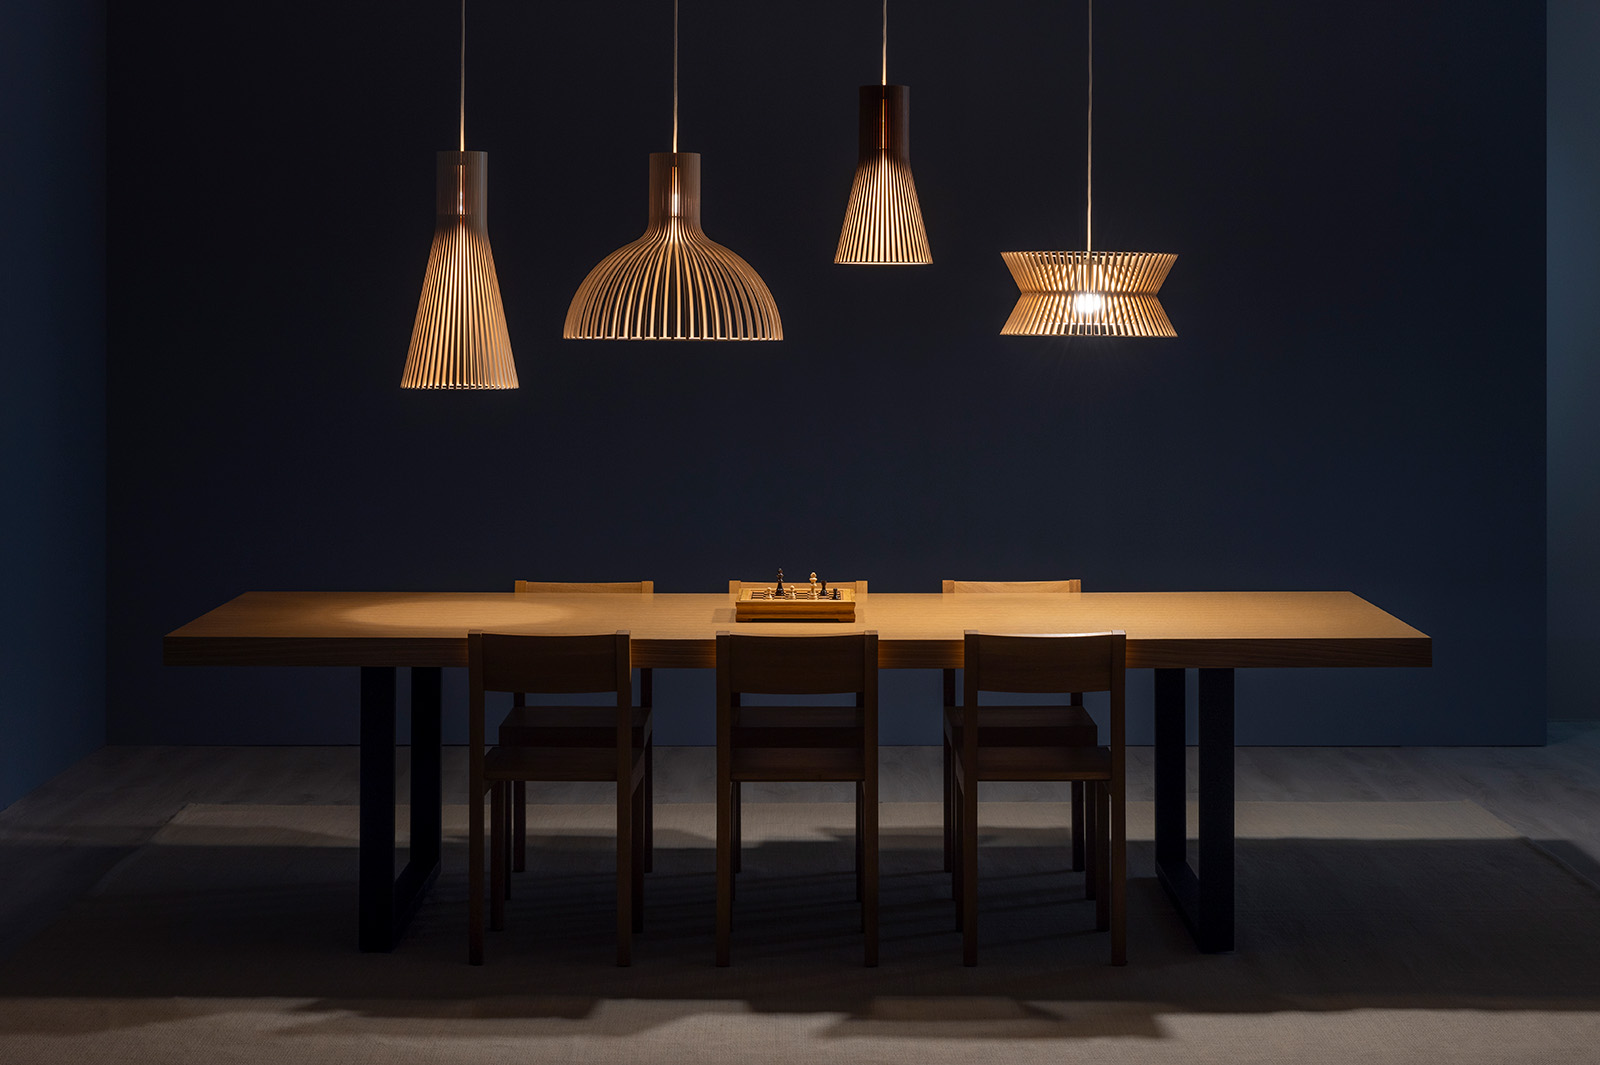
(463, 146)
(675, 76)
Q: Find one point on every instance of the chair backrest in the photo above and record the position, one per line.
(859, 587)
(603, 587)
(518, 663)
(1073, 585)
(1058, 662)
(797, 665)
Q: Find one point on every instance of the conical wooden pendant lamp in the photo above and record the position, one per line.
(883, 223)
(1089, 293)
(674, 282)
(459, 339)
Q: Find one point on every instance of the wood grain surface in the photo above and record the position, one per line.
(920, 631)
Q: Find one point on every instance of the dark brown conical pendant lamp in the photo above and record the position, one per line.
(459, 339)
(674, 282)
(883, 222)
(1089, 293)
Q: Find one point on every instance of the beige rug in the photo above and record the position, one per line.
(1368, 932)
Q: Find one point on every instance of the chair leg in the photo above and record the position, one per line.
(949, 813)
(957, 836)
(1090, 869)
(869, 902)
(625, 848)
(475, 885)
(650, 805)
(507, 839)
(1077, 826)
(969, 873)
(738, 840)
(724, 868)
(1102, 859)
(1117, 873)
(641, 854)
(497, 855)
(860, 849)
(738, 826)
(519, 858)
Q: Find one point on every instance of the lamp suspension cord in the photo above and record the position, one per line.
(675, 76)
(1088, 211)
(885, 42)
(463, 75)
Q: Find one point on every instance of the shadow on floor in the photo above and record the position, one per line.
(182, 929)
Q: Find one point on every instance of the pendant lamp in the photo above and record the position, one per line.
(459, 339)
(883, 223)
(1089, 293)
(674, 282)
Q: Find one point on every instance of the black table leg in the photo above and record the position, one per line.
(387, 902)
(427, 825)
(1170, 770)
(1205, 901)
(377, 808)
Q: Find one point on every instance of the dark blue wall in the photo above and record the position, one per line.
(1573, 187)
(52, 397)
(1356, 399)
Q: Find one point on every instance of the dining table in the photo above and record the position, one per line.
(1172, 633)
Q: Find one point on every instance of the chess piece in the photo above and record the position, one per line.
(814, 594)
(777, 593)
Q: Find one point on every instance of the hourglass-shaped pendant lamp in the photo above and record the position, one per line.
(459, 339)
(1089, 293)
(883, 222)
(674, 282)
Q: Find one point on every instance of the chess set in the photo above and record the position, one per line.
(812, 601)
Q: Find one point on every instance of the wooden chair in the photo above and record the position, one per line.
(1020, 726)
(797, 743)
(554, 664)
(564, 726)
(734, 588)
(1033, 664)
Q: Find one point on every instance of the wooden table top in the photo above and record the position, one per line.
(1165, 629)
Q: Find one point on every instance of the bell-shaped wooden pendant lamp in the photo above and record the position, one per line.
(1089, 293)
(883, 223)
(674, 282)
(459, 339)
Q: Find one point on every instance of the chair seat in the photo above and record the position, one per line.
(1026, 726)
(797, 726)
(798, 764)
(562, 763)
(1038, 763)
(570, 726)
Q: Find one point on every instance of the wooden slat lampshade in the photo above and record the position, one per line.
(1084, 293)
(883, 223)
(1089, 293)
(459, 339)
(674, 282)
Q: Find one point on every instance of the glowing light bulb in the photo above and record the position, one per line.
(1087, 304)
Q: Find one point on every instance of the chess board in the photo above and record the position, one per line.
(798, 603)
